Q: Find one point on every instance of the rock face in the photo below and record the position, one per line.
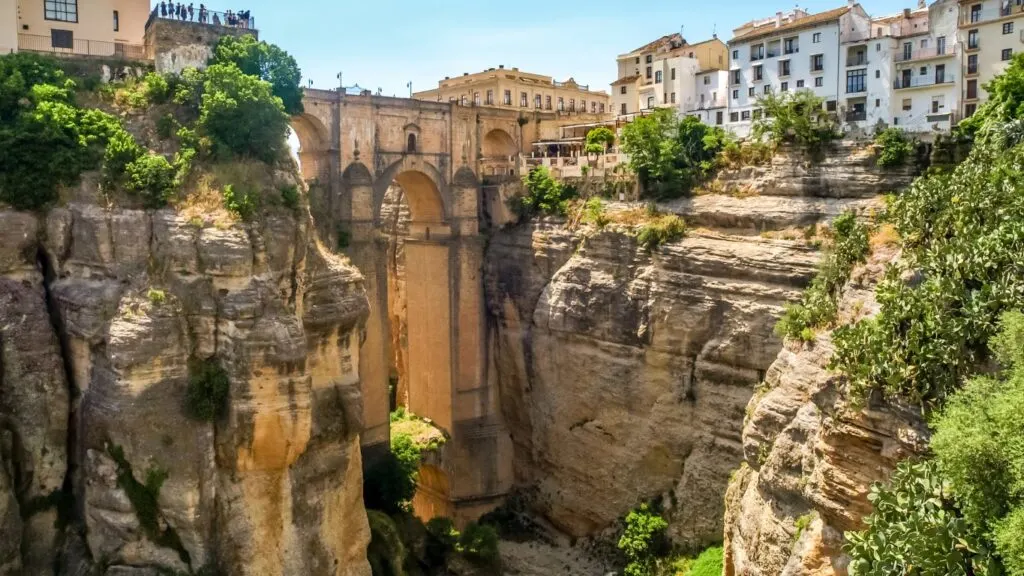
(105, 317)
(810, 459)
(624, 375)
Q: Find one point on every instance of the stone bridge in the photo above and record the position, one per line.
(352, 150)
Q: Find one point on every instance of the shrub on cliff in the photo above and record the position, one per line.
(544, 195)
(479, 544)
(208, 389)
(894, 147)
(643, 541)
(389, 484)
(241, 115)
(797, 117)
(267, 62)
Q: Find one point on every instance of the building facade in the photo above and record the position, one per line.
(511, 88)
(672, 73)
(790, 52)
(991, 33)
(86, 27)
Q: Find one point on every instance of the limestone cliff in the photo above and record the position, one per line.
(810, 457)
(625, 375)
(104, 314)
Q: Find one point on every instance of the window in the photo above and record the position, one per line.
(736, 76)
(707, 79)
(735, 54)
(768, 89)
(878, 73)
(649, 59)
(758, 73)
(536, 101)
(1008, 28)
(907, 104)
(878, 45)
(508, 98)
(757, 52)
(650, 101)
(799, 83)
(476, 98)
(117, 22)
(490, 97)
(572, 104)
(972, 64)
(751, 92)
(789, 46)
(462, 100)
(657, 77)
(757, 114)
(623, 109)
(734, 116)
(937, 104)
(972, 88)
(830, 106)
(923, 71)
(621, 90)
(411, 146)
(784, 68)
(547, 101)
(673, 97)
(561, 104)
(593, 107)
(601, 108)
(817, 63)
(523, 99)
(583, 105)
(856, 81)
(718, 117)
(972, 40)
(816, 38)
(970, 109)
(924, 43)
(1006, 54)
(648, 72)
(745, 115)
(975, 13)
(62, 10)
(819, 82)
(940, 74)
(637, 59)
(940, 45)
(62, 38)
(785, 87)
(735, 94)
(672, 73)
(878, 102)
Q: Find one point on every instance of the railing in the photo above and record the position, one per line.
(918, 81)
(857, 116)
(200, 16)
(80, 47)
(923, 53)
(557, 84)
(707, 105)
(862, 60)
(984, 15)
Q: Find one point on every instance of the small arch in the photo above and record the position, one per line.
(411, 144)
(314, 142)
(499, 144)
(357, 174)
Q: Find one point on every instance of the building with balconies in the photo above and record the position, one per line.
(991, 32)
(672, 73)
(113, 28)
(790, 52)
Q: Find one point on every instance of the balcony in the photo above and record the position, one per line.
(857, 116)
(858, 60)
(81, 47)
(706, 105)
(926, 54)
(923, 81)
(971, 17)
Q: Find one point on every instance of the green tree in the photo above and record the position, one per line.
(241, 115)
(390, 483)
(599, 140)
(643, 541)
(1005, 99)
(798, 117)
(894, 147)
(916, 528)
(267, 62)
(544, 194)
(979, 446)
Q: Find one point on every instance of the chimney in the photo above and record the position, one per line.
(501, 66)
(515, 69)
(446, 78)
(465, 73)
(778, 19)
(906, 12)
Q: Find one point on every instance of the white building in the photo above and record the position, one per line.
(671, 73)
(991, 32)
(790, 52)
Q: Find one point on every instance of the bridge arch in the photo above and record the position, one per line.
(314, 146)
(425, 190)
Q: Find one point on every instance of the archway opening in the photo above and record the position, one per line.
(313, 144)
(499, 151)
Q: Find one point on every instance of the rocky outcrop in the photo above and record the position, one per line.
(106, 316)
(810, 458)
(624, 374)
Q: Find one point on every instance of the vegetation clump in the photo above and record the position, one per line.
(599, 140)
(643, 541)
(661, 229)
(894, 147)
(795, 117)
(208, 389)
(819, 303)
(544, 195)
(390, 483)
(671, 155)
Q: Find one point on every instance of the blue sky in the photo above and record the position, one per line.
(387, 43)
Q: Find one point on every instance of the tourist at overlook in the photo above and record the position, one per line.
(191, 12)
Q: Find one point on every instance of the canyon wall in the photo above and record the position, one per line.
(625, 375)
(106, 316)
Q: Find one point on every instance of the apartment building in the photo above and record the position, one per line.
(672, 73)
(86, 27)
(793, 51)
(991, 33)
(511, 88)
